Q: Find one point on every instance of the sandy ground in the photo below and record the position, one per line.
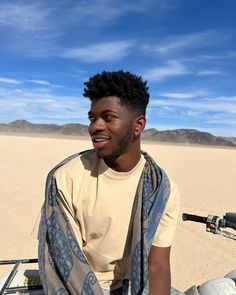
(206, 180)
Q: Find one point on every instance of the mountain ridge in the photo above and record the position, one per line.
(188, 136)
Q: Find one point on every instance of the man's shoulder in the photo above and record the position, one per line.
(76, 163)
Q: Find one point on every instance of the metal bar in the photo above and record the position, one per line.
(24, 288)
(14, 261)
(10, 277)
(228, 235)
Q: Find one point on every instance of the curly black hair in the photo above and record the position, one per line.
(131, 89)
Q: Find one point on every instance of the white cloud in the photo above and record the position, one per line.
(171, 69)
(28, 27)
(204, 39)
(4, 80)
(9, 81)
(42, 83)
(110, 51)
(192, 114)
(185, 95)
(226, 55)
(213, 104)
(222, 121)
(42, 107)
(24, 17)
(216, 115)
(36, 28)
(96, 13)
(37, 15)
(210, 73)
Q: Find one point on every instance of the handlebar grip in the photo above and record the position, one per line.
(195, 218)
(230, 220)
(230, 217)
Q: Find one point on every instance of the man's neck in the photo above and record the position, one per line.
(123, 163)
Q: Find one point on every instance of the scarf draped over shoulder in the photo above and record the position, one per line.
(63, 266)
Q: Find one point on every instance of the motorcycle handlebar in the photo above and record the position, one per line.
(195, 218)
(229, 220)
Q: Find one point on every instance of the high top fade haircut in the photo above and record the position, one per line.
(129, 88)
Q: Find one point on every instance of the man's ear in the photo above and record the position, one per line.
(139, 125)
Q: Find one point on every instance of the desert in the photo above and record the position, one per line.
(205, 177)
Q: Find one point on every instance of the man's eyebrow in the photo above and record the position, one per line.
(103, 112)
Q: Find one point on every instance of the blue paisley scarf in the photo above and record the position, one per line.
(63, 267)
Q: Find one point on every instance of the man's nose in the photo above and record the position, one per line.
(97, 125)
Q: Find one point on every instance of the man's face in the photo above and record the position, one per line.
(111, 127)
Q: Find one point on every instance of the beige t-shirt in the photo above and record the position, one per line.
(99, 202)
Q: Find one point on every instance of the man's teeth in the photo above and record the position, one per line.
(100, 139)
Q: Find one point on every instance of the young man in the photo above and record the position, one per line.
(110, 213)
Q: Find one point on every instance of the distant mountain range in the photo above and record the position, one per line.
(187, 136)
(23, 126)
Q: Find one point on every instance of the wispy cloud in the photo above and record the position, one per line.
(107, 12)
(222, 121)
(213, 104)
(28, 27)
(209, 38)
(37, 28)
(185, 95)
(9, 81)
(225, 55)
(42, 106)
(42, 83)
(216, 115)
(24, 17)
(110, 51)
(171, 69)
(210, 73)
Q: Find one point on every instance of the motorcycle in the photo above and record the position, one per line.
(215, 224)
(27, 281)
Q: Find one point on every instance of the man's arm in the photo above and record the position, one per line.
(159, 270)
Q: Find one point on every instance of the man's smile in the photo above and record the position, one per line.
(99, 141)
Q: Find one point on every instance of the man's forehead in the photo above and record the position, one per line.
(113, 101)
(109, 104)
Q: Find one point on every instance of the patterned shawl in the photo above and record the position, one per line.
(63, 267)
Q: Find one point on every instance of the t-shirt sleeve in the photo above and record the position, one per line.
(166, 229)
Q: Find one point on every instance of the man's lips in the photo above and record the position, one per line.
(99, 141)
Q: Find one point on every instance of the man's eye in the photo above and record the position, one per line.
(92, 119)
(108, 117)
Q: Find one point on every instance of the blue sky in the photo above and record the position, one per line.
(184, 49)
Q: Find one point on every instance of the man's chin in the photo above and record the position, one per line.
(105, 155)
(100, 154)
